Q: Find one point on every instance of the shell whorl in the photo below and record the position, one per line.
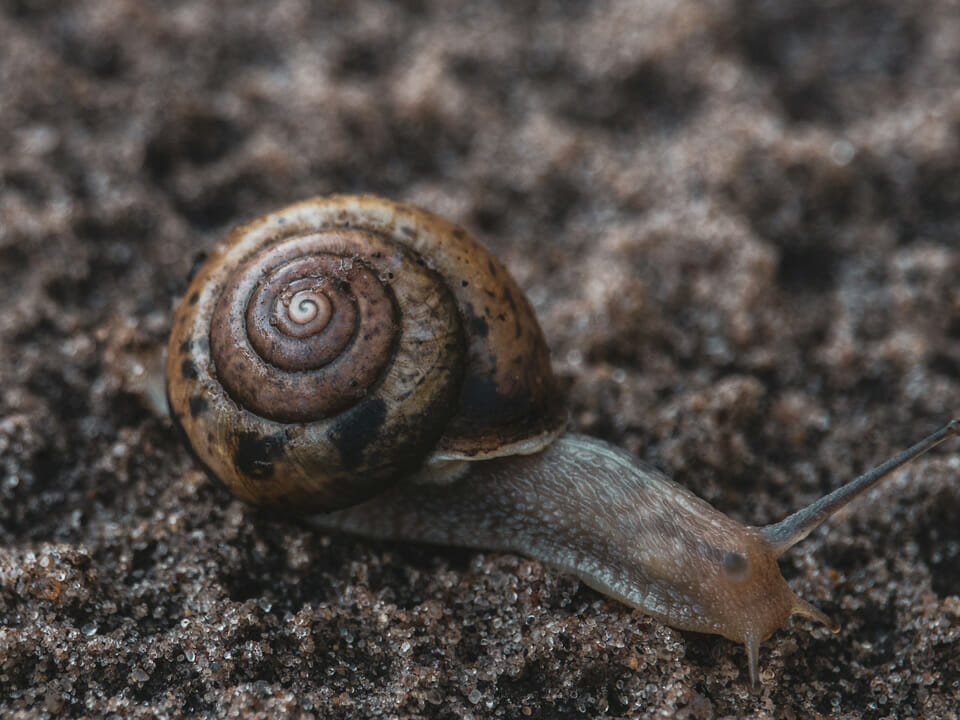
(330, 347)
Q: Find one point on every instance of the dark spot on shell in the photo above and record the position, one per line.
(189, 370)
(509, 299)
(196, 264)
(492, 267)
(193, 298)
(255, 454)
(478, 326)
(356, 429)
(408, 231)
(481, 399)
(459, 233)
(192, 450)
(186, 346)
(198, 405)
(464, 283)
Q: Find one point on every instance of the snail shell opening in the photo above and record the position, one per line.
(328, 348)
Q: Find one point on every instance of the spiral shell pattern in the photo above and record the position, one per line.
(328, 348)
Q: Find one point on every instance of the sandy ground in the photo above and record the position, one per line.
(737, 220)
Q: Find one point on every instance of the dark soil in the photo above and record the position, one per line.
(738, 220)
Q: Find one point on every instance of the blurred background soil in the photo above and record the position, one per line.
(738, 221)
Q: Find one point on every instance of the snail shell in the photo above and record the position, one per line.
(327, 349)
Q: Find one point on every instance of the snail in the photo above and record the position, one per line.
(370, 360)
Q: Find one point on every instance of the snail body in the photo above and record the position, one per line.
(597, 512)
(370, 360)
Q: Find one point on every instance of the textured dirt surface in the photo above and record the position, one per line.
(739, 222)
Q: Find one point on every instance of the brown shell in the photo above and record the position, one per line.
(330, 347)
